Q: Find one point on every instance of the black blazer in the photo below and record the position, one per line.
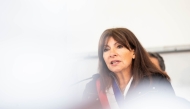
(154, 93)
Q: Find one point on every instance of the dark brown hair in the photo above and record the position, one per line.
(141, 65)
(159, 58)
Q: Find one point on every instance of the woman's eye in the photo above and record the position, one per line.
(120, 46)
(105, 49)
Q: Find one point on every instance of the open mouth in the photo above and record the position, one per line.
(115, 62)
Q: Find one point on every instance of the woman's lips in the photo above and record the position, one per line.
(115, 62)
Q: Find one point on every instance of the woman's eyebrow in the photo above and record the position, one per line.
(113, 44)
(106, 45)
(116, 43)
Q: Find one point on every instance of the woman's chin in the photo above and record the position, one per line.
(115, 71)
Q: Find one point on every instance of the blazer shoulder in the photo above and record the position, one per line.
(163, 84)
(90, 88)
(92, 84)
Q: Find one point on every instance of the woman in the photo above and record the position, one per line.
(127, 78)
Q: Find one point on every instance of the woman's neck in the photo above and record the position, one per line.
(123, 79)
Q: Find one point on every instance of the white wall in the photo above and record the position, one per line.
(40, 41)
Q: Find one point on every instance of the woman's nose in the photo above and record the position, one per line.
(113, 53)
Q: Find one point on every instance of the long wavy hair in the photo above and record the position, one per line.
(141, 65)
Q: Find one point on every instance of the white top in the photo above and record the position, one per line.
(111, 97)
(127, 87)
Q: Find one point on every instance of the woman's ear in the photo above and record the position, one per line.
(133, 56)
(133, 53)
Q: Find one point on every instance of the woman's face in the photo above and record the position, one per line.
(117, 57)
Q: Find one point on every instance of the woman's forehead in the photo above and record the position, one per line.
(117, 40)
(111, 41)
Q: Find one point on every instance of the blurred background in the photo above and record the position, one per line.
(48, 45)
